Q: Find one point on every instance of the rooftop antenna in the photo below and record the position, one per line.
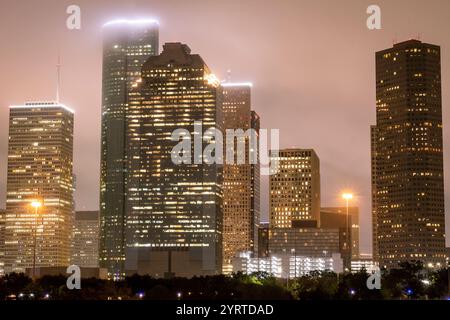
(228, 76)
(58, 77)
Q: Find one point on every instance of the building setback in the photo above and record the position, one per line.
(336, 218)
(85, 239)
(241, 182)
(295, 189)
(127, 44)
(40, 161)
(174, 211)
(407, 156)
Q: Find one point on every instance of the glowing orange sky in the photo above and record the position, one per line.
(312, 64)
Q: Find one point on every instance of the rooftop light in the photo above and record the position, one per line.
(30, 105)
(237, 84)
(131, 22)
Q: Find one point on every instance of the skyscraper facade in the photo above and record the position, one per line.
(241, 181)
(407, 156)
(85, 239)
(309, 242)
(127, 45)
(40, 161)
(295, 190)
(174, 210)
(2, 242)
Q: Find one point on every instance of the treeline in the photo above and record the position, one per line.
(409, 281)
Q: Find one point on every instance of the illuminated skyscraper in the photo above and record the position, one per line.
(174, 211)
(241, 181)
(85, 239)
(407, 156)
(127, 45)
(40, 154)
(295, 190)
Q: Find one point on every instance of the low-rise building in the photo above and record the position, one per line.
(286, 265)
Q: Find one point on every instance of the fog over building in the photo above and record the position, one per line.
(127, 44)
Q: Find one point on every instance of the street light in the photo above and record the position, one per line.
(36, 205)
(347, 197)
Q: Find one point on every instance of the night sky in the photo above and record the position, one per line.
(312, 64)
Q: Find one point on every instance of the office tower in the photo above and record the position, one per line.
(127, 45)
(295, 190)
(336, 218)
(174, 211)
(86, 229)
(263, 240)
(2, 241)
(407, 156)
(240, 180)
(39, 203)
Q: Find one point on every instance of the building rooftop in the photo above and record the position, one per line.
(42, 104)
(131, 22)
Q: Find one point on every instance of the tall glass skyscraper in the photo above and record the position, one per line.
(407, 156)
(40, 161)
(174, 211)
(127, 45)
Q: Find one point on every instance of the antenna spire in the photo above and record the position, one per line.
(228, 75)
(58, 77)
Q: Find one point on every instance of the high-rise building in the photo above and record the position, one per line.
(86, 229)
(407, 156)
(241, 181)
(336, 218)
(39, 203)
(295, 189)
(2, 241)
(127, 45)
(174, 210)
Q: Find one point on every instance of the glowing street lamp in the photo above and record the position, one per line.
(36, 205)
(347, 196)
